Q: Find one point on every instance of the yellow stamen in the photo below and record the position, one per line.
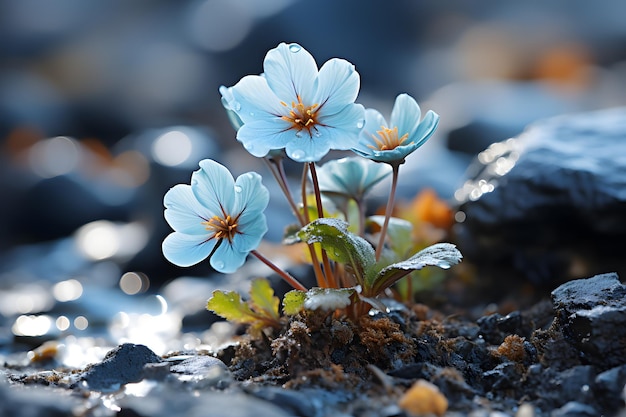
(388, 139)
(302, 117)
(222, 228)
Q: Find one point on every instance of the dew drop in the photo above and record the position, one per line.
(236, 105)
(238, 189)
(297, 154)
(299, 134)
(443, 265)
(249, 147)
(294, 48)
(360, 124)
(317, 134)
(218, 264)
(252, 113)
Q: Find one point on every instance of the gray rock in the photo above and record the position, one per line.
(575, 409)
(591, 314)
(552, 201)
(122, 365)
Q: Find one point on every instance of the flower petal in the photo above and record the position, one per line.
(252, 98)
(253, 228)
(186, 250)
(426, 128)
(344, 127)
(338, 86)
(309, 148)
(213, 186)
(290, 71)
(226, 259)
(250, 194)
(183, 211)
(405, 115)
(263, 135)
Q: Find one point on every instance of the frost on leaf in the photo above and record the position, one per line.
(341, 245)
(443, 255)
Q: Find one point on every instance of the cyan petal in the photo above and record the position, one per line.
(427, 127)
(263, 135)
(186, 250)
(226, 259)
(309, 148)
(251, 98)
(250, 193)
(290, 71)
(183, 211)
(405, 115)
(338, 86)
(343, 129)
(253, 227)
(213, 186)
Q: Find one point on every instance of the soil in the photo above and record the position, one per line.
(417, 360)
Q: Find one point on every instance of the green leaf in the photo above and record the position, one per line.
(443, 255)
(398, 233)
(260, 312)
(293, 302)
(341, 245)
(229, 305)
(262, 299)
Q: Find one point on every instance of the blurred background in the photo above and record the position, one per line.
(106, 104)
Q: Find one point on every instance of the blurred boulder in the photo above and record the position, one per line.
(549, 204)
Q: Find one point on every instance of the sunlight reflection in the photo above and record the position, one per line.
(67, 290)
(32, 325)
(103, 239)
(53, 157)
(81, 323)
(172, 148)
(134, 283)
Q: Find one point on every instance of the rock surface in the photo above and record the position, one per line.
(552, 201)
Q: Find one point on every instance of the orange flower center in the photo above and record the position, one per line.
(222, 228)
(387, 139)
(302, 117)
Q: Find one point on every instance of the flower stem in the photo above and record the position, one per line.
(319, 275)
(388, 210)
(283, 274)
(276, 167)
(328, 272)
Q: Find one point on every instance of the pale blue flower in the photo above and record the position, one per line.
(295, 106)
(215, 217)
(350, 177)
(392, 142)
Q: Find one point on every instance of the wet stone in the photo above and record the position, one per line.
(550, 204)
(575, 409)
(122, 365)
(591, 313)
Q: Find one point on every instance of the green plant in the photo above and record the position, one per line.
(295, 110)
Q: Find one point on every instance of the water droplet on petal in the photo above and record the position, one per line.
(360, 124)
(218, 264)
(238, 189)
(236, 105)
(299, 134)
(294, 48)
(317, 134)
(443, 265)
(297, 154)
(249, 146)
(252, 113)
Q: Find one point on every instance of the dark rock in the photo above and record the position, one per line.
(122, 365)
(609, 386)
(591, 314)
(28, 401)
(575, 409)
(495, 327)
(551, 202)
